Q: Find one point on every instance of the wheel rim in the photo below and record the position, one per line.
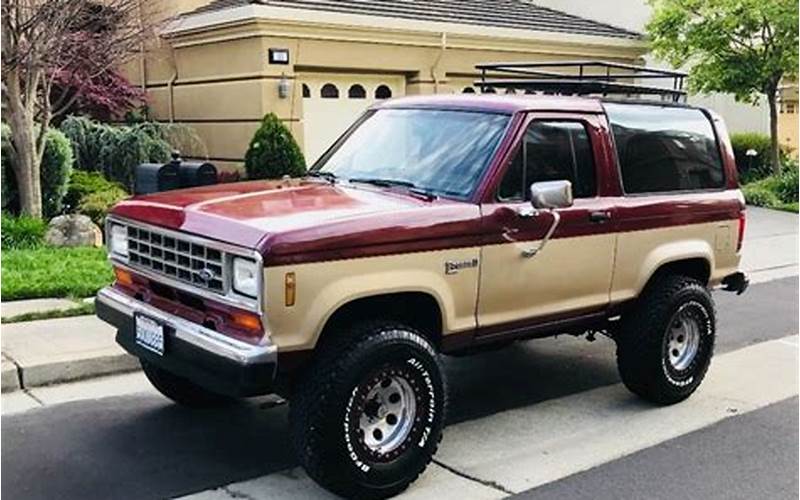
(683, 339)
(388, 414)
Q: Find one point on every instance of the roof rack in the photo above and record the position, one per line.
(582, 78)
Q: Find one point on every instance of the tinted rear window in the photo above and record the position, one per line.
(663, 149)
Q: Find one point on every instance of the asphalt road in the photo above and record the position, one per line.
(141, 446)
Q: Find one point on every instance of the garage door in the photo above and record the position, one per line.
(332, 102)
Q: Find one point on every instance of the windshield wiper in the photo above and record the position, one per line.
(382, 182)
(328, 176)
(412, 188)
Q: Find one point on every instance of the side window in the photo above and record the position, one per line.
(552, 151)
(663, 149)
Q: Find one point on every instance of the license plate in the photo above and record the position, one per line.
(150, 334)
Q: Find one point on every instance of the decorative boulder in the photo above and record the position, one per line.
(73, 231)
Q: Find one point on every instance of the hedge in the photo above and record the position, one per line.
(756, 167)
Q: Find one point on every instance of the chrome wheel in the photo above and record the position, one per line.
(683, 339)
(388, 414)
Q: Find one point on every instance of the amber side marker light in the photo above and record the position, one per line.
(123, 277)
(246, 320)
(290, 289)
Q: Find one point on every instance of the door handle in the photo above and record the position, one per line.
(600, 217)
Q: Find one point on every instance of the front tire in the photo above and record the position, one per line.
(665, 346)
(182, 391)
(367, 417)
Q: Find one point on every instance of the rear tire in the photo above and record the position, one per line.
(665, 345)
(367, 417)
(182, 391)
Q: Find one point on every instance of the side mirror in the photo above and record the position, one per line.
(551, 194)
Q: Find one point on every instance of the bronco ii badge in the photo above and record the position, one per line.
(451, 267)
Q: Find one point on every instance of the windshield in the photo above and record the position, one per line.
(440, 152)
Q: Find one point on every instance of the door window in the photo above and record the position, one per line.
(551, 151)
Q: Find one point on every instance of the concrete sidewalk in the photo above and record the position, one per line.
(60, 350)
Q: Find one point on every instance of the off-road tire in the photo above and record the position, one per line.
(643, 353)
(330, 398)
(182, 391)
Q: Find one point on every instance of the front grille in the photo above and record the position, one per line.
(178, 258)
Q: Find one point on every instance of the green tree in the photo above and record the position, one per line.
(739, 47)
(273, 152)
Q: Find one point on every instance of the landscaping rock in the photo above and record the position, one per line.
(73, 231)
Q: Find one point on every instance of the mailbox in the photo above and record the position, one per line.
(156, 177)
(197, 174)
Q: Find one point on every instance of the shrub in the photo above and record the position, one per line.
(117, 150)
(56, 167)
(759, 196)
(83, 184)
(273, 152)
(22, 232)
(775, 191)
(757, 167)
(96, 205)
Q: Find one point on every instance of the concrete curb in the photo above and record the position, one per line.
(15, 376)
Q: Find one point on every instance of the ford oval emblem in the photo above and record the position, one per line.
(206, 275)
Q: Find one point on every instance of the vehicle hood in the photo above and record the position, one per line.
(287, 220)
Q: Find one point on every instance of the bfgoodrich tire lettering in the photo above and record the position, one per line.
(665, 345)
(348, 389)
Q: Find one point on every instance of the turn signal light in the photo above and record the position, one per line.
(742, 224)
(246, 320)
(123, 277)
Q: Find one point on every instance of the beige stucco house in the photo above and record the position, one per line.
(221, 65)
(787, 117)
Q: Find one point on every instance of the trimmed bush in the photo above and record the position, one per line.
(759, 196)
(273, 152)
(759, 166)
(56, 167)
(96, 205)
(22, 232)
(83, 184)
(776, 191)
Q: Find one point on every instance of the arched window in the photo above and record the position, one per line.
(329, 91)
(383, 92)
(468, 90)
(357, 92)
(306, 91)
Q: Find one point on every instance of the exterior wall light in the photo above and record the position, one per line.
(284, 87)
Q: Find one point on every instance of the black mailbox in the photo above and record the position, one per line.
(197, 174)
(156, 177)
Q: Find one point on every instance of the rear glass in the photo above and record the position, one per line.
(664, 149)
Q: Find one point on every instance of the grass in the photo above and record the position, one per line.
(48, 272)
(84, 309)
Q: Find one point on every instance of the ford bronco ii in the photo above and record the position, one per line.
(434, 225)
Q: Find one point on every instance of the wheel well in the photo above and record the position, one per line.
(697, 268)
(417, 309)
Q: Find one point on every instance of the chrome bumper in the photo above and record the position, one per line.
(204, 356)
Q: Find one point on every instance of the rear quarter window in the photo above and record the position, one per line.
(663, 149)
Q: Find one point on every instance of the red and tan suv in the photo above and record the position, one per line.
(435, 225)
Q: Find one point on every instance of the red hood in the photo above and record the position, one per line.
(291, 220)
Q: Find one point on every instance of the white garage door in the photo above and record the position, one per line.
(332, 102)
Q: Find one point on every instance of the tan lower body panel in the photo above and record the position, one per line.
(570, 274)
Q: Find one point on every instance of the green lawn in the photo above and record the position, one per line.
(54, 272)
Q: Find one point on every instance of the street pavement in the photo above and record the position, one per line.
(543, 418)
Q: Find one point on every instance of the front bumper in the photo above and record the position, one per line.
(211, 360)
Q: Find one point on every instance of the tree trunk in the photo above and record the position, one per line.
(28, 158)
(775, 151)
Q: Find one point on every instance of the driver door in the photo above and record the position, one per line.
(571, 276)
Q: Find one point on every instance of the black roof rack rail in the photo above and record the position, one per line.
(582, 78)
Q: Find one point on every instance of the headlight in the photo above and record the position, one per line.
(245, 277)
(119, 240)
